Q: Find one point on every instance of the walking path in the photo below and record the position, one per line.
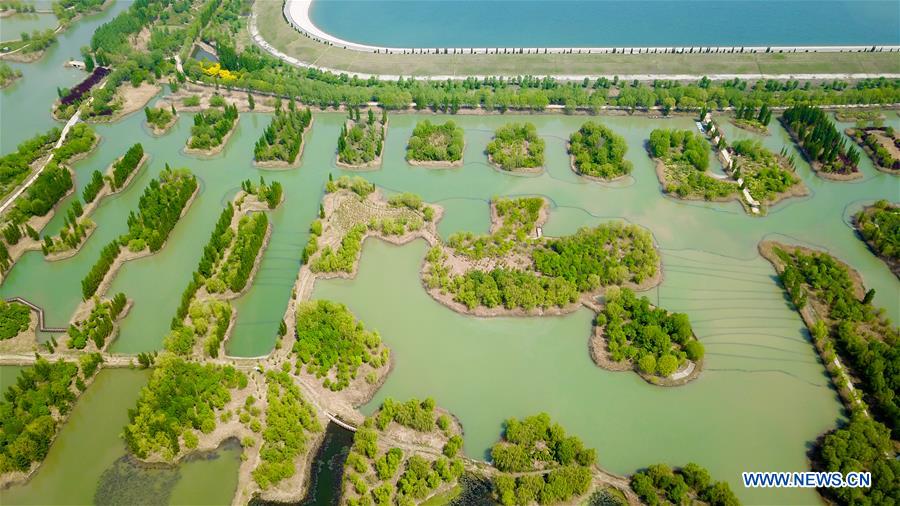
(40, 314)
(62, 137)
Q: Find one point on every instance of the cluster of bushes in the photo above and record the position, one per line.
(536, 443)
(160, 117)
(659, 484)
(869, 139)
(99, 324)
(73, 231)
(126, 165)
(356, 184)
(518, 218)
(435, 143)
(516, 146)
(599, 152)
(210, 318)
(331, 343)
(312, 244)
(8, 74)
(282, 139)
(67, 10)
(880, 227)
(761, 171)
(658, 341)
(93, 187)
(49, 187)
(747, 114)
(251, 232)
(94, 277)
(15, 166)
(14, 319)
(396, 226)
(862, 445)
(180, 397)
(211, 127)
(415, 414)
(55, 181)
(868, 344)
(511, 289)
(608, 254)
(686, 158)
(38, 40)
(820, 140)
(289, 417)
(342, 259)
(268, 193)
(361, 143)
(31, 408)
(80, 139)
(159, 209)
(365, 468)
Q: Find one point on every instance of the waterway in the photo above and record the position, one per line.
(763, 398)
(87, 463)
(608, 23)
(14, 26)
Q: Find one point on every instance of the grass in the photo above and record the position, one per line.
(281, 35)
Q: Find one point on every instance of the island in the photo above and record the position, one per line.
(361, 142)
(882, 144)
(281, 144)
(879, 226)
(596, 152)
(821, 143)
(212, 129)
(436, 145)
(517, 148)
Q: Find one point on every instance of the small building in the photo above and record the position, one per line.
(707, 118)
(76, 64)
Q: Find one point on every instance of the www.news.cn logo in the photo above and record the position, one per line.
(807, 480)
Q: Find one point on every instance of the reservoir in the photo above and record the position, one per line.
(609, 23)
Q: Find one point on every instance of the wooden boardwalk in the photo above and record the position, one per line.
(40, 314)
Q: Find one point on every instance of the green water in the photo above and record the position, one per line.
(762, 400)
(12, 27)
(89, 445)
(8, 375)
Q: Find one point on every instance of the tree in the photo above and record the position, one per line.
(251, 103)
(647, 364)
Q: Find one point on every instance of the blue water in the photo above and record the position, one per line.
(603, 23)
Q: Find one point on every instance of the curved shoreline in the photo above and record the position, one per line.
(297, 14)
